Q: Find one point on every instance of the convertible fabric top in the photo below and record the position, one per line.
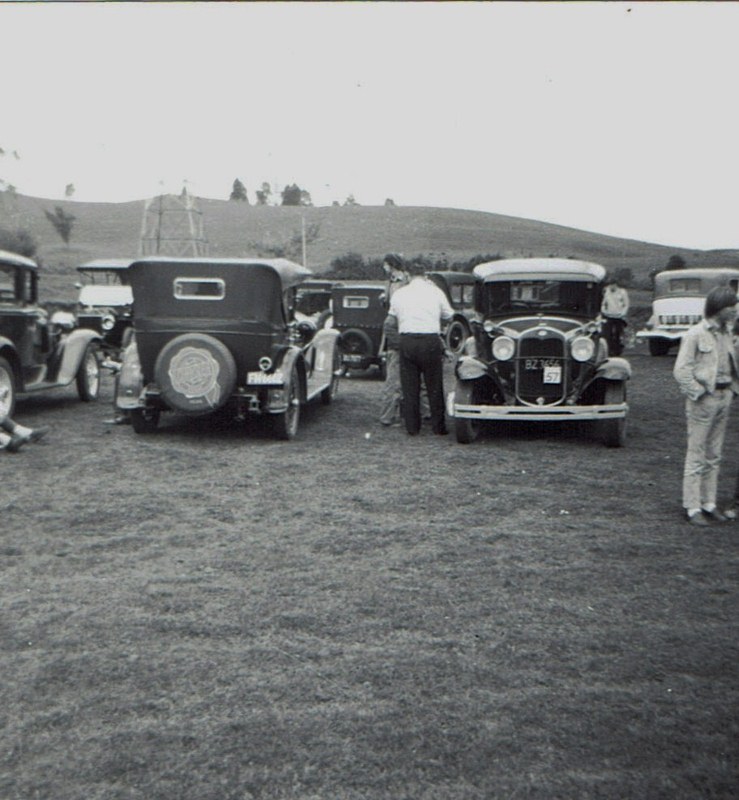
(289, 273)
(15, 260)
(540, 269)
(106, 265)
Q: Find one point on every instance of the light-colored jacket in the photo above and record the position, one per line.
(697, 362)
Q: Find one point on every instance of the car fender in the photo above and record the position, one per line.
(129, 384)
(319, 354)
(293, 357)
(10, 354)
(74, 346)
(469, 368)
(614, 369)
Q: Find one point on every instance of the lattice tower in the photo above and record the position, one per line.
(173, 226)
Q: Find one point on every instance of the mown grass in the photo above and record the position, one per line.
(208, 613)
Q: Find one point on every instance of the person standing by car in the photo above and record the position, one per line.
(397, 276)
(419, 308)
(707, 372)
(614, 308)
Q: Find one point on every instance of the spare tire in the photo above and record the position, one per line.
(195, 373)
(355, 342)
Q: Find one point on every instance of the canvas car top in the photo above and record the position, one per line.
(541, 269)
(15, 260)
(208, 288)
(106, 265)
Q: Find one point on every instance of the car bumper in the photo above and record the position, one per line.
(673, 335)
(536, 414)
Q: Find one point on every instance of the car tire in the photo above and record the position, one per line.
(659, 347)
(356, 342)
(88, 375)
(613, 431)
(7, 389)
(466, 430)
(325, 320)
(195, 373)
(328, 394)
(456, 335)
(285, 424)
(144, 420)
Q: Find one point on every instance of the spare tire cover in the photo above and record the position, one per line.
(195, 373)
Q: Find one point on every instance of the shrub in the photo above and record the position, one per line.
(18, 241)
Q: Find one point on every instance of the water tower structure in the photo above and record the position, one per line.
(173, 225)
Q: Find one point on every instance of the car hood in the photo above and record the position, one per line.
(106, 296)
(679, 305)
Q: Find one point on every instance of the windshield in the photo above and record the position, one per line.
(580, 298)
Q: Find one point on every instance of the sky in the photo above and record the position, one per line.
(617, 118)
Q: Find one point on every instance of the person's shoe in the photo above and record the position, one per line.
(715, 516)
(17, 440)
(731, 512)
(699, 520)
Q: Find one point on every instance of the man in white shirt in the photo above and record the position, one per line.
(614, 308)
(419, 308)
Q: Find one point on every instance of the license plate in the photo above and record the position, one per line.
(265, 378)
(552, 375)
(350, 359)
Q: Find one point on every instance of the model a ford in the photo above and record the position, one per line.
(679, 297)
(37, 352)
(538, 354)
(221, 334)
(359, 311)
(105, 302)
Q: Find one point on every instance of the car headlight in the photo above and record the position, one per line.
(582, 348)
(108, 322)
(503, 348)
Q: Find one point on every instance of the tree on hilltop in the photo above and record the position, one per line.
(62, 222)
(676, 262)
(291, 195)
(264, 194)
(238, 192)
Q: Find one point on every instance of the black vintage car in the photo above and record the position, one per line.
(105, 302)
(359, 311)
(538, 353)
(38, 353)
(459, 288)
(221, 335)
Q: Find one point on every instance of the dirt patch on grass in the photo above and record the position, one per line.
(209, 613)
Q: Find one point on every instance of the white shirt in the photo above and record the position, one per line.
(419, 307)
(615, 302)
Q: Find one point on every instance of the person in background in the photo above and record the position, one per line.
(614, 309)
(13, 435)
(397, 276)
(707, 373)
(419, 309)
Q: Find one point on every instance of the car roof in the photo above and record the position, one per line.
(462, 277)
(106, 264)
(381, 286)
(288, 271)
(541, 268)
(16, 260)
(698, 272)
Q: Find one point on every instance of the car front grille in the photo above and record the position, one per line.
(679, 319)
(541, 368)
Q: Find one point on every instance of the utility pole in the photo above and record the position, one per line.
(302, 232)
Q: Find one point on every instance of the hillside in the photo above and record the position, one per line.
(235, 229)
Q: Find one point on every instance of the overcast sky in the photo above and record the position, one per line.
(611, 117)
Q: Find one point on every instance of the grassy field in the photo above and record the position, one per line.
(234, 229)
(209, 614)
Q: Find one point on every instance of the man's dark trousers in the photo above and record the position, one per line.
(422, 354)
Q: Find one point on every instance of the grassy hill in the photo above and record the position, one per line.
(236, 229)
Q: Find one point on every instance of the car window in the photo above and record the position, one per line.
(574, 297)
(355, 301)
(7, 283)
(685, 285)
(468, 293)
(199, 288)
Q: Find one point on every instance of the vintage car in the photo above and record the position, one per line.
(105, 303)
(37, 352)
(459, 288)
(679, 297)
(359, 311)
(221, 335)
(538, 354)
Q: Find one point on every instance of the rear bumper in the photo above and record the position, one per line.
(670, 335)
(536, 414)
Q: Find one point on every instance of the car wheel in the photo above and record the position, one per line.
(456, 335)
(195, 373)
(325, 320)
(144, 420)
(659, 347)
(285, 424)
(328, 394)
(356, 342)
(88, 375)
(613, 431)
(7, 389)
(466, 430)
